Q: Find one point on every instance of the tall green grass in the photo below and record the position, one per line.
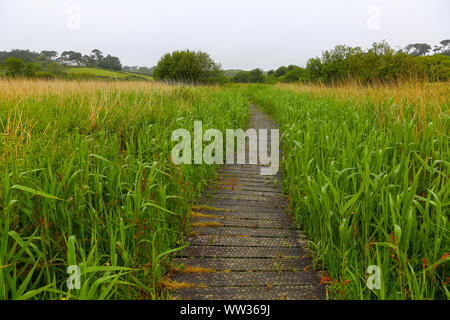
(86, 179)
(368, 180)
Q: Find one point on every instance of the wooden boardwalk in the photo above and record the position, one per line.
(243, 243)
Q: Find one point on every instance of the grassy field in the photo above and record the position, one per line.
(366, 170)
(86, 179)
(106, 74)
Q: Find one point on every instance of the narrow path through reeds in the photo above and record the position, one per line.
(243, 243)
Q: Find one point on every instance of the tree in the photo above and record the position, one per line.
(47, 68)
(445, 47)
(30, 69)
(77, 57)
(188, 66)
(314, 69)
(98, 56)
(295, 74)
(418, 49)
(14, 66)
(89, 61)
(241, 77)
(253, 76)
(281, 71)
(72, 56)
(25, 55)
(50, 54)
(445, 44)
(110, 62)
(256, 76)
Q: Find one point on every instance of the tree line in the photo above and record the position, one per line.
(49, 64)
(379, 63)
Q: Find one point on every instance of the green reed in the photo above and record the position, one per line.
(86, 179)
(369, 185)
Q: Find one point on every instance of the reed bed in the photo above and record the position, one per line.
(86, 180)
(367, 174)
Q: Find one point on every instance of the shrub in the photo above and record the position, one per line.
(189, 67)
(14, 66)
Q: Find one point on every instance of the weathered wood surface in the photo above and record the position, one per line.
(250, 246)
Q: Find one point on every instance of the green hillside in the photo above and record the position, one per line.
(85, 72)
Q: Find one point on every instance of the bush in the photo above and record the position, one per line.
(436, 67)
(295, 74)
(189, 67)
(14, 66)
(29, 70)
(253, 76)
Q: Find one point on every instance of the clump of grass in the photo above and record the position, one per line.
(191, 269)
(196, 214)
(366, 170)
(173, 285)
(209, 208)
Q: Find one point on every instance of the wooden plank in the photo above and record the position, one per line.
(246, 242)
(241, 252)
(245, 279)
(246, 231)
(304, 292)
(249, 223)
(245, 264)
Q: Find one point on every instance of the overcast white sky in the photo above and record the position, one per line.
(242, 34)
